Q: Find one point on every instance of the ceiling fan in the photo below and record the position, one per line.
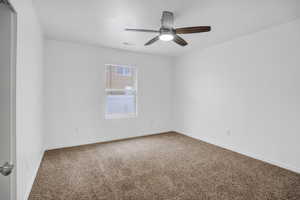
(167, 32)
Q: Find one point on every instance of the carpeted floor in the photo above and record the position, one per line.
(168, 166)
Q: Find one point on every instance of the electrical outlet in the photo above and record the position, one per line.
(76, 131)
(152, 123)
(228, 132)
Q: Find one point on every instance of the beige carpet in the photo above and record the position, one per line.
(168, 166)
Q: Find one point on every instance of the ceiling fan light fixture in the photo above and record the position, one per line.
(166, 37)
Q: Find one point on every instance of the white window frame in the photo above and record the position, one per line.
(121, 116)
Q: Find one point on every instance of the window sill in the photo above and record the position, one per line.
(120, 116)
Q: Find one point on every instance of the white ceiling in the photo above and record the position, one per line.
(102, 22)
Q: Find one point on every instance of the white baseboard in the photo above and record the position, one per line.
(249, 154)
(102, 140)
(29, 187)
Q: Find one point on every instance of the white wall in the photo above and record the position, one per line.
(244, 95)
(75, 98)
(29, 105)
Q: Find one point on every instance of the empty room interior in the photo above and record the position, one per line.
(150, 100)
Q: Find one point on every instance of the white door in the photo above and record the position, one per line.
(7, 100)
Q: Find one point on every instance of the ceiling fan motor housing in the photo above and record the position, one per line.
(167, 20)
(166, 31)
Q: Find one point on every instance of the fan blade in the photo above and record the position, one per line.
(142, 30)
(196, 29)
(179, 40)
(167, 20)
(152, 40)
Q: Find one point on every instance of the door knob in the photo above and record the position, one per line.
(6, 169)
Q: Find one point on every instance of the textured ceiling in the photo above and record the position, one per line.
(102, 22)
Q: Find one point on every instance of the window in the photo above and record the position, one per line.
(121, 90)
(124, 71)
